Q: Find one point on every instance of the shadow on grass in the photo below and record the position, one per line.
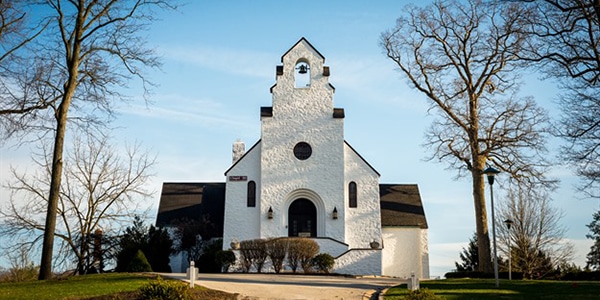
(462, 289)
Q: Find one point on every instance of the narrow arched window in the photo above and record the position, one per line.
(251, 197)
(352, 194)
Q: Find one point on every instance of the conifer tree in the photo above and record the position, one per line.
(593, 257)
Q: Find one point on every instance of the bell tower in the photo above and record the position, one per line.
(302, 148)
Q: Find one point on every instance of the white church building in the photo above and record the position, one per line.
(303, 179)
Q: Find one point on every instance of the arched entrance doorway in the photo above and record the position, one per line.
(302, 218)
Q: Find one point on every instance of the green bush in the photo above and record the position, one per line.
(583, 275)
(422, 294)
(323, 262)
(139, 263)
(160, 289)
(225, 258)
(468, 274)
(207, 262)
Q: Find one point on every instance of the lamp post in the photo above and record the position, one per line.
(490, 173)
(508, 223)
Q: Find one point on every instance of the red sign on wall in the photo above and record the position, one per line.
(238, 178)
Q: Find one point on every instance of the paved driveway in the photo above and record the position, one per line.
(272, 286)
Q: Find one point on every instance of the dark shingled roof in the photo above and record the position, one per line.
(192, 201)
(400, 204)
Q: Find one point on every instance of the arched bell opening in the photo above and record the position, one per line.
(302, 74)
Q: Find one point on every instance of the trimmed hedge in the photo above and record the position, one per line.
(476, 274)
(583, 275)
(571, 276)
(299, 252)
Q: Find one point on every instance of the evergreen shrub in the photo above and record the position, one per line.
(323, 262)
(139, 263)
(160, 289)
(422, 294)
(225, 258)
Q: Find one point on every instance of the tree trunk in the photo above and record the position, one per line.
(48, 245)
(55, 181)
(483, 237)
(57, 166)
(73, 59)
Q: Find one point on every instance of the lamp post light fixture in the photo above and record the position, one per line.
(270, 213)
(490, 173)
(335, 213)
(508, 223)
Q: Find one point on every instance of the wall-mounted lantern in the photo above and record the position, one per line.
(335, 213)
(270, 213)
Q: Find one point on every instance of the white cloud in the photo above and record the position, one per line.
(233, 61)
(374, 79)
(187, 111)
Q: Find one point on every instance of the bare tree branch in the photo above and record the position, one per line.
(537, 244)
(567, 45)
(101, 190)
(465, 58)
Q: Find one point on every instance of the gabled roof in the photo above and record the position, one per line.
(192, 201)
(240, 159)
(299, 41)
(401, 205)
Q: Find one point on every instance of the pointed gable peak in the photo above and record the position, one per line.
(307, 44)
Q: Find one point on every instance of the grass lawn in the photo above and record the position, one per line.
(463, 289)
(98, 286)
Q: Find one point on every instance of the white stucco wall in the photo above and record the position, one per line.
(332, 247)
(359, 262)
(240, 221)
(305, 114)
(405, 251)
(363, 223)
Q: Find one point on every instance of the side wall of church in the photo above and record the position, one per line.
(242, 222)
(363, 222)
(405, 251)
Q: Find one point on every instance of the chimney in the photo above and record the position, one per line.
(238, 150)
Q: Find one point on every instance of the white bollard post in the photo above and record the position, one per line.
(192, 274)
(413, 283)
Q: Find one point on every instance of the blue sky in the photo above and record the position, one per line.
(219, 63)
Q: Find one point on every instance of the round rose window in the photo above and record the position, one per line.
(302, 151)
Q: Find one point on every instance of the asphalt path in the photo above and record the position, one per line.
(284, 286)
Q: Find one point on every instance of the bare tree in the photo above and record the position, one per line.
(101, 190)
(567, 44)
(464, 58)
(14, 33)
(90, 50)
(537, 244)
